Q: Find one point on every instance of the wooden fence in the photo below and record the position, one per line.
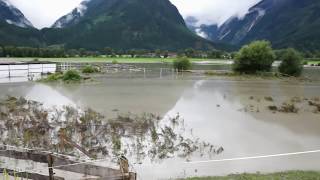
(62, 164)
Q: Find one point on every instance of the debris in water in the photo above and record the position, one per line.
(268, 99)
(288, 108)
(76, 132)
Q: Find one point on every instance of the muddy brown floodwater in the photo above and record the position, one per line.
(229, 113)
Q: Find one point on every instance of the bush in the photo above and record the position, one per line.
(279, 53)
(71, 75)
(181, 64)
(114, 61)
(52, 77)
(255, 57)
(291, 63)
(90, 69)
(55, 77)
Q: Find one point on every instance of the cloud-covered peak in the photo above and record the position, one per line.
(213, 11)
(10, 14)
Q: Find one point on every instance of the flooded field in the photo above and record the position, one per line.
(167, 124)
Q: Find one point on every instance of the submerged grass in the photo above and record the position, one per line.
(290, 175)
(293, 105)
(261, 75)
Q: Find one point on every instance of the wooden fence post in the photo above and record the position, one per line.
(50, 165)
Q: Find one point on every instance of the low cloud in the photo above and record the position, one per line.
(43, 13)
(213, 11)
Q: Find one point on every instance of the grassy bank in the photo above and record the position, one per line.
(290, 175)
(110, 60)
(313, 61)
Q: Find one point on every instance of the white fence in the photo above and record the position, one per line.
(24, 72)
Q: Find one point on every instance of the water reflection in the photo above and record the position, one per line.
(48, 96)
(212, 110)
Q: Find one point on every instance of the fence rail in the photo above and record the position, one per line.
(23, 70)
(55, 162)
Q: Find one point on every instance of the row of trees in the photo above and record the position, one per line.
(56, 52)
(259, 57)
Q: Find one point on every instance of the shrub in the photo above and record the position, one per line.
(279, 53)
(291, 63)
(255, 57)
(181, 64)
(54, 77)
(90, 69)
(114, 61)
(71, 75)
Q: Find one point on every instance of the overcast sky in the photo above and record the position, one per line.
(43, 13)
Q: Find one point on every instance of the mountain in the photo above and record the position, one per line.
(124, 24)
(73, 17)
(12, 15)
(286, 23)
(237, 30)
(15, 29)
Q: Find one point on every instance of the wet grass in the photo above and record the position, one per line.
(290, 175)
(314, 62)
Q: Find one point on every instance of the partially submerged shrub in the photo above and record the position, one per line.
(181, 64)
(90, 69)
(315, 105)
(53, 77)
(291, 63)
(68, 76)
(71, 75)
(255, 57)
(268, 98)
(273, 108)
